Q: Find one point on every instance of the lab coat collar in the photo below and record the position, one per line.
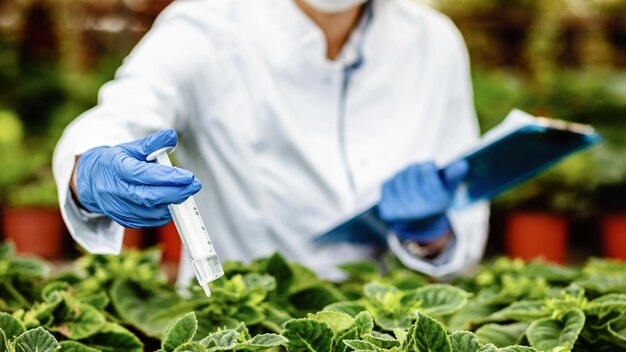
(308, 39)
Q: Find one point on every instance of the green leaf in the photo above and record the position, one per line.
(473, 312)
(114, 337)
(488, 348)
(83, 321)
(360, 269)
(464, 341)
(401, 335)
(522, 310)
(430, 336)
(381, 340)
(350, 308)
(376, 291)
(221, 341)
(190, 347)
(181, 332)
(262, 282)
(364, 323)
(75, 346)
(308, 335)
(501, 335)
(263, 341)
(4, 342)
(279, 268)
(26, 267)
(248, 314)
(517, 348)
(6, 250)
(52, 287)
(335, 320)
(350, 334)
(36, 340)
(275, 318)
(359, 345)
(552, 273)
(315, 298)
(440, 299)
(10, 326)
(617, 329)
(98, 300)
(140, 307)
(303, 277)
(549, 333)
(391, 322)
(602, 309)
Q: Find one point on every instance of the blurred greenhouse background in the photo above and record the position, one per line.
(558, 58)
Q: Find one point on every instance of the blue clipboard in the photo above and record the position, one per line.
(503, 161)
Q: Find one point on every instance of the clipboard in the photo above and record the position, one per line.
(516, 150)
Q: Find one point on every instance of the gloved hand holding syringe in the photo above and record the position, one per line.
(122, 183)
(193, 233)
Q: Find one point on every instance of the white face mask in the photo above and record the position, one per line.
(333, 6)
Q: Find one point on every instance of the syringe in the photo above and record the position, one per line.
(193, 233)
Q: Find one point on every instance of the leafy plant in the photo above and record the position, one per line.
(181, 336)
(19, 279)
(275, 305)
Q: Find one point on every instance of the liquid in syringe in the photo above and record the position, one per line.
(193, 233)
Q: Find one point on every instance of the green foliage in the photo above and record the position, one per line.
(19, 279)
(274, 305)
(181, 332)
(36, 340)
(181, 336)
(557, 333)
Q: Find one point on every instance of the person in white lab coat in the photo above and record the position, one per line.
(292, 116)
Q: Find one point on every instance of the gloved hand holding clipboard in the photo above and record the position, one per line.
(515, 151)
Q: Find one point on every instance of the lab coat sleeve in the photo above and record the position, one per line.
(146, 95)
(459, 132)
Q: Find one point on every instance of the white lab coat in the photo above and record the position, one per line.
(287, 143)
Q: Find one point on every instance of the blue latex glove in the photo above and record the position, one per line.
(118, 182)
(415, 200)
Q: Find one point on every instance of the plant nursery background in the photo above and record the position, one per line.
(555, 58)
(559, 58)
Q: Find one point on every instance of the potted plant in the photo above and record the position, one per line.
(30, 214)
(539, 210)
(531, 229)
(611, 201)
(32, 220)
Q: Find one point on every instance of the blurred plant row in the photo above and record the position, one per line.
(561, 58)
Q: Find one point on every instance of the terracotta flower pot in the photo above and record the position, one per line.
(537, 235)
(614, 236)
(38, 231)
(170, 242)
(134, 238)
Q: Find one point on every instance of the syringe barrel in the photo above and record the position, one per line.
(194, 235)
(196, 240)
